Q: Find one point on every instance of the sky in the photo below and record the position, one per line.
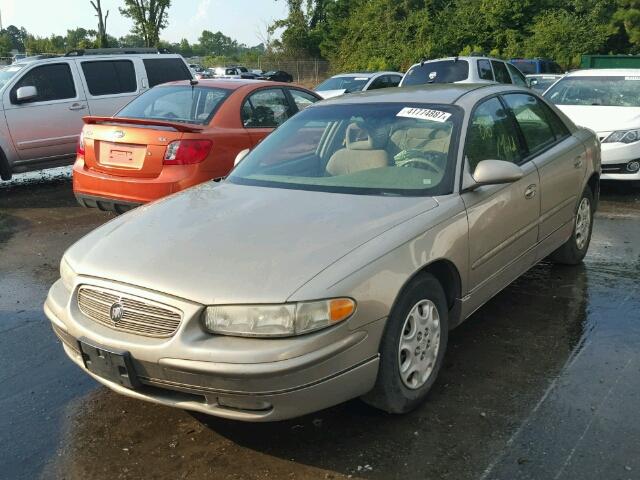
(238, 19)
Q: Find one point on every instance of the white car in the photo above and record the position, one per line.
(463, 70)
(357, 82)
(608, 102)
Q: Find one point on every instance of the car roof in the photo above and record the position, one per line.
(231, 83)
(57, 58)
(366, 74)
(442, 93)
(609, 72)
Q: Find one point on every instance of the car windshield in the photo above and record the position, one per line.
(442, 71)
(612, 91)
(176, 103)
(540, 84)
(350, 84)
(7, 73)
(374, 149)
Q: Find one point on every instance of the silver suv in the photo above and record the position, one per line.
(463, 70)
(44, 100)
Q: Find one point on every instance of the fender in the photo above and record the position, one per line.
(7, 151)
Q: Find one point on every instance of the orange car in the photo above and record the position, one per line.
(175, 136)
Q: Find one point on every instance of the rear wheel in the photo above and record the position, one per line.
(413, 347)
(575, 249)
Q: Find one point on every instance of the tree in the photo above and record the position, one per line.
(5, 44)
(80, 38)
(217, 44)
(102, 24)
(149, 18)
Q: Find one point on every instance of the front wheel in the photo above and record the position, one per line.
(413, 347)
(575, 249)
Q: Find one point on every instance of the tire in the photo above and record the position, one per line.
(575, 249)
(395, 391)
(5, 170)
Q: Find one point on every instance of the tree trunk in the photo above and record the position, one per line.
(102, 24)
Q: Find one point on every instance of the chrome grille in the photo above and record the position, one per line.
(140, 316)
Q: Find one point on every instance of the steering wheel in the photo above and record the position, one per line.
(427, 161)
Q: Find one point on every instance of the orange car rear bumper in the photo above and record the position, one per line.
(111, 192)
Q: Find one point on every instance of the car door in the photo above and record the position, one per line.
(50, 124)
(263, 111)
(503, 219)
(561, 161)
(109, 84)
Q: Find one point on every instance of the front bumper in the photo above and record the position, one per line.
(236, 378)
(615, 159)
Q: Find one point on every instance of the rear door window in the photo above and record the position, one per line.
(500, 71)
(394, 80)
(516, 76)
(442, 71)
(265, 109)
(110, 77)
(163, 70)
(302, 99)
(532, 120)
(484, 70)
(53, 82)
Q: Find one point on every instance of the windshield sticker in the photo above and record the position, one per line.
(424, 114)
(361, 78)
(632, 78)
(433, 75)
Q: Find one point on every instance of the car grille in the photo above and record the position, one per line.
(138, 315)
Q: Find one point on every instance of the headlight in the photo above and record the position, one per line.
(282, 320)
(67, 274)
(623, 136)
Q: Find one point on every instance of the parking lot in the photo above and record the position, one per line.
(542, 382)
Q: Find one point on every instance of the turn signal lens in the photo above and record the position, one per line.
(341, 309)
(80, 146)
(187, 152)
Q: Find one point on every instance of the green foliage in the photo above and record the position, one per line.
(149, 18)
(357, 34)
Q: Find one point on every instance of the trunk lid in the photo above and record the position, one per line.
(129, 147)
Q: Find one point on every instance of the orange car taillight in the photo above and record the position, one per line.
(187, 152)
(80, 146)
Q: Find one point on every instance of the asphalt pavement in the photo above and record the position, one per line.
(541, 383)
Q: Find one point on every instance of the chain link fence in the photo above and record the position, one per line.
(305, 72)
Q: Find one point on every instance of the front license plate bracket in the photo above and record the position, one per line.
(113, 365)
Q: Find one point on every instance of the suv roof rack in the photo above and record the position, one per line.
(110, 51)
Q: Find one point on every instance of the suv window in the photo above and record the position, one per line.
(302, 99)
(380, 82)
(484, 70)
(516, 76)
(163, 70)
(53, 82)
(492, 135)
(532, 120)
(500, 70)
(394, 80)
(265, 109)
(441, 71)
(110, 77)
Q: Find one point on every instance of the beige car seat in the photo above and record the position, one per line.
(358, 154)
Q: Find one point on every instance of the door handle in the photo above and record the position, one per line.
(530, 192)
(77, 106)
(577, 162)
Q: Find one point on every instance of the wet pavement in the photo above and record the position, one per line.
(541, 383)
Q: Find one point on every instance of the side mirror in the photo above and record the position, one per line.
(241, 156)
(492, 172)
(26, 94)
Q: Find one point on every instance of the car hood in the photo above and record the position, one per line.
(227, 243)
(330, 93)
(602, 119)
